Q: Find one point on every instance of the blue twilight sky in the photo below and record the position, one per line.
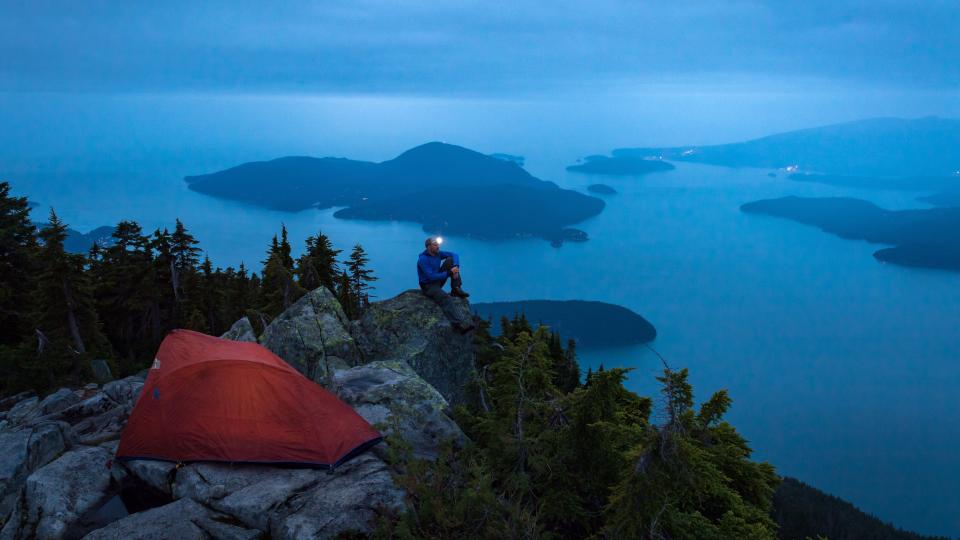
(477, 48)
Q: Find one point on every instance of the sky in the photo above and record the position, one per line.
(477, 49)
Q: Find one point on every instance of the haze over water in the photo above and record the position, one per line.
(842, 370)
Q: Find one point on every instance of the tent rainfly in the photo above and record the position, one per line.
(212, 399)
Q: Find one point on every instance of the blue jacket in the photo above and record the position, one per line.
(428, 266)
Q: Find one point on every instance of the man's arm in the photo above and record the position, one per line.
(445, 254)
(422, 263)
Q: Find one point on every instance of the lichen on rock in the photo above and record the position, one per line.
(412, 328)
(312, 336)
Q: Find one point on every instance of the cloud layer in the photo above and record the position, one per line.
(483, 48)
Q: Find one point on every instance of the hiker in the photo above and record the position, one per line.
(433, 269)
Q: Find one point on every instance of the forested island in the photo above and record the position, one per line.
(927, 238)
(943, 198)
(907, 183)
(590, 324)
(621, 165)
(446, 188)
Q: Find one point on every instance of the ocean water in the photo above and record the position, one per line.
(843, 371)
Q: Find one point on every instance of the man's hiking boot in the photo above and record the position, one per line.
(459, 293)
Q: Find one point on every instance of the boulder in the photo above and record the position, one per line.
(59, 494)
(10, 401)
(101, 370)
(155, 473)
(183, 519)
(246, 492)
(391, 396)
(124, 391)
(311, 335)
(295, 503)
(23, 410)
(22, 452)
(58, 401)
(346, 500)
(412, 328)
(241, 330)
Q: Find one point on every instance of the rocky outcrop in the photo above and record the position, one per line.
(399, 367)
(411, 328)
(183, 519)
(241, 330)
(56, 496)
(295, 503)
(391, 396)
(311, 335)
(22, 452)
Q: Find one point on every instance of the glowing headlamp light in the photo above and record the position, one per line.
(439, 239)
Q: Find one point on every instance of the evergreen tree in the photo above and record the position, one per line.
(66, 319)
(360, 278)
(127, 293)
(278, 289)
(18, 250)
(186, 256)
(318, 265)
(345, 296)
(284, 248)
(692, 477)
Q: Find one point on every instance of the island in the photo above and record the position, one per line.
(601, 189)
(632, 165)
(871, 148)
(943, 198)
(446, 188)
(591, 324)
(906, 183)
(928, 238)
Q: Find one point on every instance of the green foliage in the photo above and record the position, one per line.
(65, 319)
(354, 283)
(578, 461)
(317, 267)
(18, 248)
(692, 477)
(59, 310)
(278, 290)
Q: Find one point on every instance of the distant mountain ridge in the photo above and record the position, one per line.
(78, 242)
(882, 147)
(446, 188)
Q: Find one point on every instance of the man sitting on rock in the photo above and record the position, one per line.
(433, 269)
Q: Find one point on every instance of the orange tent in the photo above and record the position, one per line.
(212, 399)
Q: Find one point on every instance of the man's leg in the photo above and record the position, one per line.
(435, 292)
(455, 282)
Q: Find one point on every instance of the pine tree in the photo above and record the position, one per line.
(284, 248)
(127, 293)
(186, 256)
(692, 477)
(278, 288)
(66, 319)
(18, 251)
(318, 265)
(360, 278)
(345, 296)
